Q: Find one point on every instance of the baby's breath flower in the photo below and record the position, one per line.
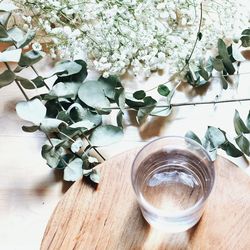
(138, 36)
(36, 46)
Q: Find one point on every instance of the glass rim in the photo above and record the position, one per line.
(144, 203)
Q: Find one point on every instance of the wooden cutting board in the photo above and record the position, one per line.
(109, 217)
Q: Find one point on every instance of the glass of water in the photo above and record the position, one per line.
(172, 178)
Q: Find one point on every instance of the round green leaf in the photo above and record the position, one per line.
(10, 55)
(6, 78)
(83, 124)
(105, 135)
(163, 90)
(73, 171)
(243, 144)
(50, 125)
(193, 136)
(33, 111)
(239, 125)
(92, 94)
(139, 95)
(94, 176)
(67, 68)
(26, 83)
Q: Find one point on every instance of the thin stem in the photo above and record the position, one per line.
(36, 72)
(67, 136)
(48, 138)
(92, 147)
(17, 83)
(210, 102)
(188, 104)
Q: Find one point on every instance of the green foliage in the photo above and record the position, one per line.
(163, 90)
(216, 138)
(139, 95)
(71, 112)
(6, 78)
(106, 135)
(227, 57)
(245, 38)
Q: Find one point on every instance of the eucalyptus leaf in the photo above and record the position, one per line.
(26, 83)
(193, 136)
(4, 18)
(245, 38)
(231, 150)
(39, 81)
(243, 144)
(29, 36)
(7, 6)
(109, 85)
(144, 112)
(59, 90)
(161, 111)
(139, 95)
(73, 171)
(83, 124)
(29, 58)
(78, 113)
(78, 77)
(223, 52)
(6, 78)
(224, 82)
(218, 64)
(215, 136)
(92, 94)
(64, 116)
(204, 73)
(120, 99)
(94, 176)
(119, 119)
(52, 155)
(50, 125)
(163, 90)
(239, 125)
(33, 111)
(10, 55)
(53, 108)
(237, 54)
(30, 129)
(248, 120)
(105, 135)
(16, 34)
(67, 68)
(132, 102)
(3, 32)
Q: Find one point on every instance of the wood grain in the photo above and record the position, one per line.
(109, 217)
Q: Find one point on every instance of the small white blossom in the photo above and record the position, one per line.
(138, 36)
(37, 46)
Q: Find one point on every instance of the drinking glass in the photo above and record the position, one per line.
(172, 178)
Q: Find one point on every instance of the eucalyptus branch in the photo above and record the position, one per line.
(17, 83)
(94, 148)
(186, 104)
(36, 72)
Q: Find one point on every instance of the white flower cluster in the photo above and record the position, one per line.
(136, 36)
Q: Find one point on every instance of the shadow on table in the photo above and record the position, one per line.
(138, 234)
(54, 177)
